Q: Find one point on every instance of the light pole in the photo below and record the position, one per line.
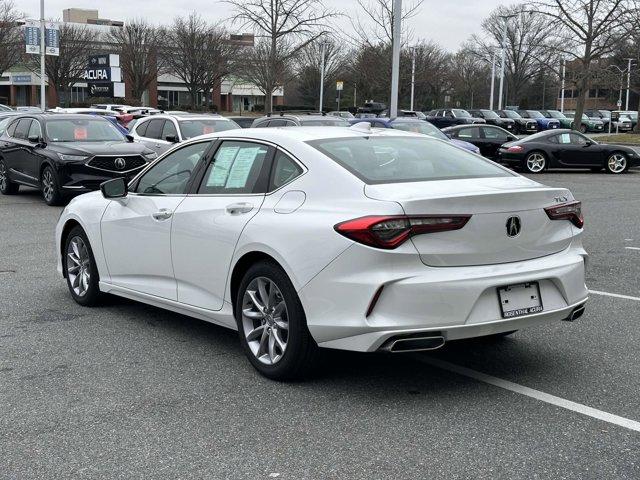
(323, 46)
(413, 75)
(628, 81)
(564, 72)
(493, 78)
(395, 58)
(42, 57)
(505, 18)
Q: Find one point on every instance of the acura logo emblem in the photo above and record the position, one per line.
(513, 226)
(120, 163)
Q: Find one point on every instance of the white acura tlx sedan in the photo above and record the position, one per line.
(347, 238)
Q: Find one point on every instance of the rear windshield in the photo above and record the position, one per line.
(377, 160)
(193, 128)
(325, 122)
(419, 127)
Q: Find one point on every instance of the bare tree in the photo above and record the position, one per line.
(138, 43)
(469, 77)
(196, 53)
(284, 28)
(530, 46)
(68, 68)
(376, 24)
(219, 56)
(587, 30)
(11, 41)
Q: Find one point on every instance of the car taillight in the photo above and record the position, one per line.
(389, 232)
(571, 211)
(515, 149)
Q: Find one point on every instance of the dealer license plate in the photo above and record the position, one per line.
(521, 299)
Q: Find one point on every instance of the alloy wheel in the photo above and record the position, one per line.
(78, 266)
(265, 320)
(3, 176)
(48, 185)
(617, 163)
(536, 162)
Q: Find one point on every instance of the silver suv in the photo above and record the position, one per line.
(161, 132)
(305, 119)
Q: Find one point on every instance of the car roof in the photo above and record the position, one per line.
(190, 116)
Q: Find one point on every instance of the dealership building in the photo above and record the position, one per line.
(20, 86)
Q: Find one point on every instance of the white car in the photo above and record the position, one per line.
(161, 132)
(347, 238)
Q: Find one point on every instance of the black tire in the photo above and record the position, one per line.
(7, 187)
(583, 129)
(616, 171)
(301, 350)
(526, 164)
(92, 296)
(50, 187)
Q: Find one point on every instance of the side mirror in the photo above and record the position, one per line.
(513, 138)
(35, 139)
(129, 138)
(171, 138)
(114, 188)
(588, 143)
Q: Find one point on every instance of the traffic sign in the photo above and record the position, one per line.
(339, 85)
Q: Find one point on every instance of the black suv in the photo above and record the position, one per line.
(448, 117)
(523, 125)
(492, 118)
(65, 154)
(304, 119)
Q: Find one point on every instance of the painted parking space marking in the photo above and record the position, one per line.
(533, 393)
(632, 248)
(615, 295)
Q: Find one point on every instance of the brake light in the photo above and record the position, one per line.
(571, 211)
(515, 149)
(390, 232)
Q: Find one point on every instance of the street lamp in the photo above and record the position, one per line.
(395, 58)
(628, 81)
(413, 74)
(564, 73)
(323, 46)
(493, 77)
(505, 18)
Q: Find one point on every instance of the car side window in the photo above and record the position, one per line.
(34, 129)
(171, 175)
(22, 130)
(494, 134)
(169, 129)
(564, 139)
(235, 168)
(284, 170)
(471, 132)
(577, 139)
(154, 130)
(142, 129)
(448, 114)
(11, 129)
(277, 123)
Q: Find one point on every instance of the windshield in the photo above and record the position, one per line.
(555, 114)
(511, 114)
(86, 129)
(535, 114)
(420, 127)
(377, 160)
(193, 128)
(459, 113)
(325, 122)
(632, 115)
(489, 114)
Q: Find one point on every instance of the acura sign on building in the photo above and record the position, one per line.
(104, 77)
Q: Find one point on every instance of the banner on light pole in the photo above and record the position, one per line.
(51, 37)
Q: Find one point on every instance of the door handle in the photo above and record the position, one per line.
(162, 214)
(158, 145)
(239, 208)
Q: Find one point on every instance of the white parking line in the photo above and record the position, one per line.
(530, 392)
(615, 295)
(632, 248)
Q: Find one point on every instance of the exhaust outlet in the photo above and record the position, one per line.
(575, 314)
(413, 344)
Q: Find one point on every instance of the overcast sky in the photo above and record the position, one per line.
(447, 22)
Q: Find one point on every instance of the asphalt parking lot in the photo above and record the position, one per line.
(131, 391)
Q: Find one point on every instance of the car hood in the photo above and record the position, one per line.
(99, 148)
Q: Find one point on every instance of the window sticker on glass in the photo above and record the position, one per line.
(242, 167)
(222, 166)
(80, 133)
(565, 138)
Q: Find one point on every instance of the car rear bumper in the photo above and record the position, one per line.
(452, 302)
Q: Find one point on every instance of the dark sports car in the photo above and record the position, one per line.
(65, 154)
(566, 149)
(488, 138)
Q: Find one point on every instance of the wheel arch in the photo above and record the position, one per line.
(69, 225)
